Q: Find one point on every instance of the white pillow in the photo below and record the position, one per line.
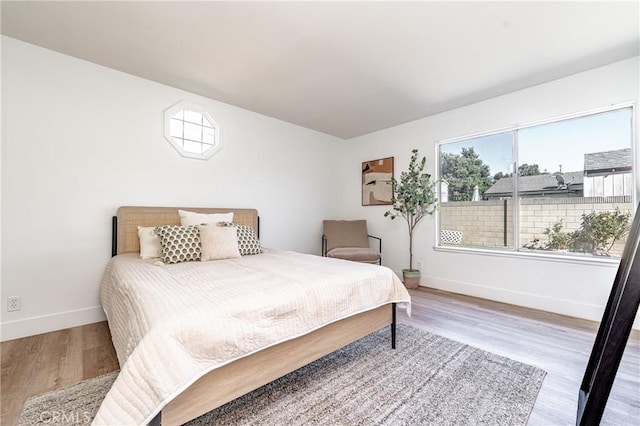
(218, 242)
(149, 242)
(193, 218)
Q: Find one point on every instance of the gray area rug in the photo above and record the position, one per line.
(427, 380)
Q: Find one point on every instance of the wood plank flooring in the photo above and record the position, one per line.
(38, 364)
(560, 345)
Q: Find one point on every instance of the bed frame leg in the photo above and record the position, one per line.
(157, 420)
(393, 326)
(114, 236)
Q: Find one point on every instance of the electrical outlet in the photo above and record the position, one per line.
(419, 263)
(14, 303)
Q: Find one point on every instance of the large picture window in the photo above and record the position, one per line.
(565, 187)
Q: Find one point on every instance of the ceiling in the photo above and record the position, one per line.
(342, 68)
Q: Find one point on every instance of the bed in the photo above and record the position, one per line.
(193, 336)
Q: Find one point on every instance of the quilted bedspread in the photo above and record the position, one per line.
(171, 324)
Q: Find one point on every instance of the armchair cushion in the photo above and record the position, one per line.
(356, 254)
(346, 233)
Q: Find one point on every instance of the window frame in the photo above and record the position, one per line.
(515, 251)
(190, 106)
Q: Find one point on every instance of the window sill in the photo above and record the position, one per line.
(546, 257)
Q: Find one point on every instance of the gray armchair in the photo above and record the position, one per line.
(349, 240)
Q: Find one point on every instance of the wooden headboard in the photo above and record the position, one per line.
(125, 224)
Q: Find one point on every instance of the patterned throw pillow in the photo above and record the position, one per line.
(248, 243)
(179, 243)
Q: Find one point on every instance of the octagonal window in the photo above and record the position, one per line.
(191, 131)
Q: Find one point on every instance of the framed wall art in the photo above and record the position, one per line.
(376, 182)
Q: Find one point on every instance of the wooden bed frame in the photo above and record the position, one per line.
(233, 380)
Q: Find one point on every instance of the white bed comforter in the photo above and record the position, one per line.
(171, 324)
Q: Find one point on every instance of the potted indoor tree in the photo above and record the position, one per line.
(413, 198)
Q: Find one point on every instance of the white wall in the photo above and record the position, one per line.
(79, 140)
(575, 289)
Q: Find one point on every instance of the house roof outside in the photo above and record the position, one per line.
(608, 161)
(604, 162)
(537, 184)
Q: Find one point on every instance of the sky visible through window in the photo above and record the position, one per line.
(549, 145)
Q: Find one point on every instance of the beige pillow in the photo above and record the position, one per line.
(149, 242)
(218, 242)
(248, 243)
(193, 218)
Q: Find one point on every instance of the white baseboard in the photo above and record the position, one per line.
(46, 323)
(43, 324)
(529, 300)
